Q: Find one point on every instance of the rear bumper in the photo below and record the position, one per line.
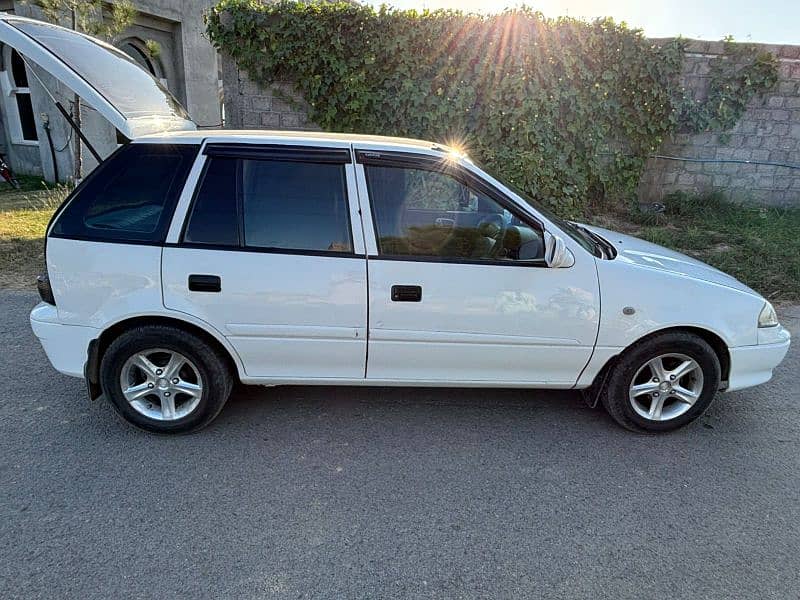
(753, 365)
(66, 346)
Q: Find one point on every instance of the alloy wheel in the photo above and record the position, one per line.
(665, 387)
(161, 384)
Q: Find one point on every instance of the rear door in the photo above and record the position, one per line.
(271, 254)
(107, 79)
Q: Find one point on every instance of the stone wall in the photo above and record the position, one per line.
(768, 135)
(250, 106)
(769, 132)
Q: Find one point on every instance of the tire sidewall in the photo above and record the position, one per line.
(693, 347)
(186, 344)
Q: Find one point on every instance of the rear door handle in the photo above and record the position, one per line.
(406, 293)
(205, 283)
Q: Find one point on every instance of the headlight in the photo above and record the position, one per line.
(768, 316)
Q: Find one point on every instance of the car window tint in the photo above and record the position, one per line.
(295, 205)
(214, 219)
(130, 197)
(419, 212)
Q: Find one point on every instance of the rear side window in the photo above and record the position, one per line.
(213, 220)
(272, 205)
(297, 206)
(130, 197)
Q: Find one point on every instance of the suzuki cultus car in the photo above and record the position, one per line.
(189, 260)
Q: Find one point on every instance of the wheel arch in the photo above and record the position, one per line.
(99, 345)
(712, 339)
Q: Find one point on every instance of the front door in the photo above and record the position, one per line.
(272, 256)
(458, 288)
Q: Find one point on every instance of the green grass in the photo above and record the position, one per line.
(27, 183)
(24, 215)
(759, 246)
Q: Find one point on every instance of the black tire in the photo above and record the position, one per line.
(615, 395)
(211, 365)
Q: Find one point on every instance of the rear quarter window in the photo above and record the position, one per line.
(130, 197)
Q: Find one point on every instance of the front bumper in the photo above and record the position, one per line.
(753, 365)
(65, 345)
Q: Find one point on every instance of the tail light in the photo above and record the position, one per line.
(45, 291)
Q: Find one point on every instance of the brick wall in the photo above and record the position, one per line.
(769, 132)
(249, 106)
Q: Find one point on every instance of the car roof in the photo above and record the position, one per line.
(310, 137)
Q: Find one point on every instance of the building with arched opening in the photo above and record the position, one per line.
(166, 39)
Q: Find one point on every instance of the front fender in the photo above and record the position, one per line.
(638, 301)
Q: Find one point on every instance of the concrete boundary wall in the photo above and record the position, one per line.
(768, 132)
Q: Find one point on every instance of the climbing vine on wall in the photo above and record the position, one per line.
(736, 76)
(565, 109)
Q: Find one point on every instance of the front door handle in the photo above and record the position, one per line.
(205, 283)
(406, 293)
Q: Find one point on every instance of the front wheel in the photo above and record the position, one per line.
(662, 383)
(165, 380)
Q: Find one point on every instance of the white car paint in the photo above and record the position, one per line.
(524, 325)
(99, 283)
(477, 325)
(289, 317)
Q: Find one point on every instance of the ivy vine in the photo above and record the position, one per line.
(567, 110)
(736, 76)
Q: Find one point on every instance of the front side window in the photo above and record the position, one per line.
(431, 213)
(271, 205)
(130, 197)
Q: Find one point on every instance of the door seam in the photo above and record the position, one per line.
(366, 257)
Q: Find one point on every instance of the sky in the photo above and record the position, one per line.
(772, 21)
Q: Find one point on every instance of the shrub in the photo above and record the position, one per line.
(567, 110)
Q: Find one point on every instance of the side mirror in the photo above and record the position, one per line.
(556, 253)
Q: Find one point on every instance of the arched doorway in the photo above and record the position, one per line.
(137, 50)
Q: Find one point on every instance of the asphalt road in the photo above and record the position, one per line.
(392, 493)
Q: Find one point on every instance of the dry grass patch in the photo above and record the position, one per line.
(24, 216)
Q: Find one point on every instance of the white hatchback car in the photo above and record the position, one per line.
(193, 259)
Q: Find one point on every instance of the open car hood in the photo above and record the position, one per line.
(638, 252)
(111, 82)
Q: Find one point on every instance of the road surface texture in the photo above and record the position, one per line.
(307, 492)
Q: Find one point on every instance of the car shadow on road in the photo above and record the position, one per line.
(431, 409)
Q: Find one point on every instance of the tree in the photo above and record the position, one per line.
(87, 16)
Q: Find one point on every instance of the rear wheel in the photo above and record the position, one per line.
(164, 379)
(662, 383)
